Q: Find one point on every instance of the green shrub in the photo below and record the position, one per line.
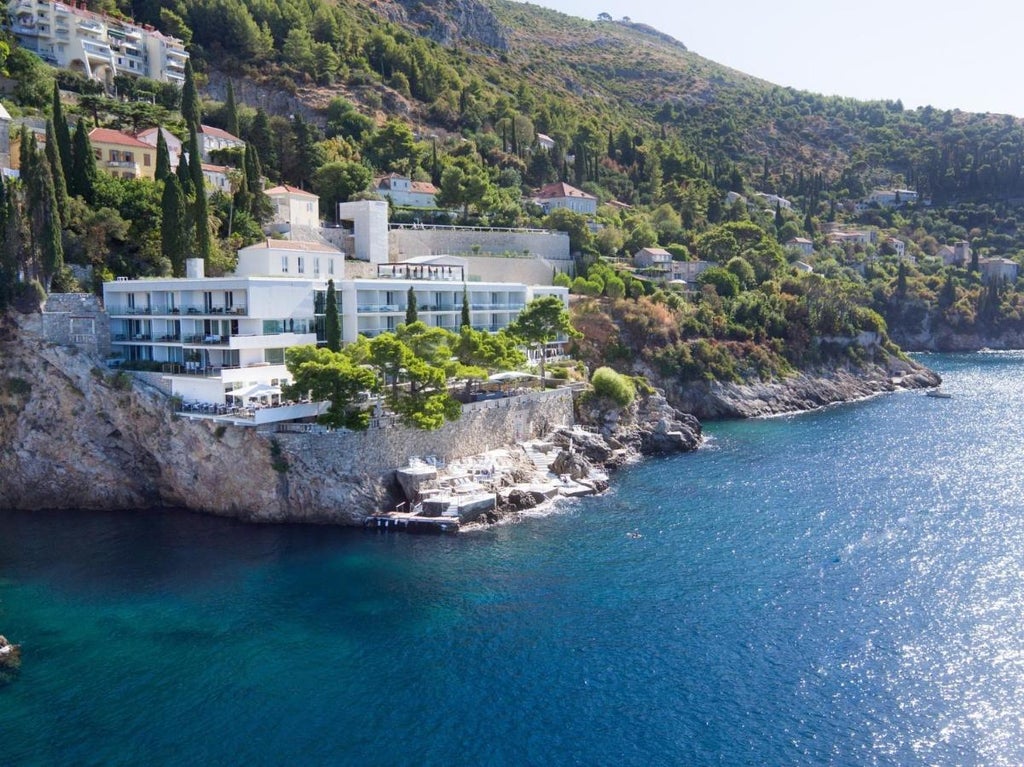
(614, 386)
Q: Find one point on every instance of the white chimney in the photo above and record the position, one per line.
(194, 268)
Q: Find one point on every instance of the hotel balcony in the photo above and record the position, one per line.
(180, 55)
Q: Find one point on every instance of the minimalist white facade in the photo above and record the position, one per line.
(369, 219)
(218, 338)
(98, 46)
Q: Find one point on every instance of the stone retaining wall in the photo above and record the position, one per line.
(482, 427)
(77, 319)
(406, 243)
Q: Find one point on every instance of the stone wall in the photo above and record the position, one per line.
(77, 319)
(484, 425)
(406, 243)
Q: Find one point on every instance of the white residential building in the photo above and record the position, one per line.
(212, 139)
(217, 178)
(149, 136)
(562, 195)
(653, 258)
(773, 200)
(899, 246)
(689, 271)
(406, 193)
(545, 142)
(294, 206)
(889, 198)
(801, 245)
(95, 45)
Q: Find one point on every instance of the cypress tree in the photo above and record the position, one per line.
(190, 107)
(174, 236)
(231, 111)
(333, 321)
(83, 165)
(60, 184)
(26, 151)
(45, 221)
(261, 136)
(465, 321)
(163, 157)
(410, 307)
(200, 207)
(60, 125)
(195, 160)
(184, 176)
(8, 262)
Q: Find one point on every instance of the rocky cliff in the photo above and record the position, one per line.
(809, 390)
(77, 436)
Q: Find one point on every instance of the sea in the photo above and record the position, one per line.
(844, 587)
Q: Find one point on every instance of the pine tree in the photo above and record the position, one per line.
(465, 321)
(231, 112)
(83, 166)
(332, 321)
(26, 151)
(190, 107)
(62, 134)
(174, 235)
(163, 157)
(410, 307)
(195, 161)
(60, 184)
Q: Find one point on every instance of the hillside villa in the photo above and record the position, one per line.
(562, 195)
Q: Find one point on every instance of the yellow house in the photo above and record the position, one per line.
(122, 155)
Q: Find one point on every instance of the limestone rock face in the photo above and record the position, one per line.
(650, 426)
(77, 436)
(809, 390)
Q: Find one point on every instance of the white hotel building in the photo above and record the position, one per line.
(218, 335)
(93, 44)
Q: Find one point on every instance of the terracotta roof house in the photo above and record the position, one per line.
(562, 195)
(406, 193)
(294, 206)
(122, 155)
(149, 136)
(212, 139)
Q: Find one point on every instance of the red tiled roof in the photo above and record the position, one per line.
(561, 189)
(209, 130)
(285, 189)
(108, 136)
(423, 186)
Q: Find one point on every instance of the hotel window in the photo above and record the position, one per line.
(330, 266)
(145, 160)
(301, 265)
(316, 265)
(284, 264)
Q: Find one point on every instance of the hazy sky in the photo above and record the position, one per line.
(965, 55)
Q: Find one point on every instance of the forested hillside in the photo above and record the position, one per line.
(328, 95)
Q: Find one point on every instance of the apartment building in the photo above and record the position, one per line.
(98, 46)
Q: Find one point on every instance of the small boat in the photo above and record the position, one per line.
(938, 393)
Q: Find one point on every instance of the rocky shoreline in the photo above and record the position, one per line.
(81, 437)
(806, 391)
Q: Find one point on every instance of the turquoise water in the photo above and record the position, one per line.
(845, 587)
